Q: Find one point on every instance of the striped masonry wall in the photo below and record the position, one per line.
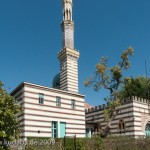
(134, 113)
(36, 119)
(69, 70)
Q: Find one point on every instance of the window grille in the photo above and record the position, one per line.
(58, 101)
(41, 98)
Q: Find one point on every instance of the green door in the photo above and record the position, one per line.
(62, 129)
(147, 130)
(88, 130)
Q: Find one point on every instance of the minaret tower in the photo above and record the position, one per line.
(68, 56)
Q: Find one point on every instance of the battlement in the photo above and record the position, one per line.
(142, 100)
(124, 101)
(96, 108)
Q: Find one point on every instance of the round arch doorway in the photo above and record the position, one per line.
(147, 129)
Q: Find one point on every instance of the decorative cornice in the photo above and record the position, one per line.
(27, 84)
(67, 51)
(68, 23)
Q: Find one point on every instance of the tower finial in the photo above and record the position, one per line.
(67, 10)
(67, 25)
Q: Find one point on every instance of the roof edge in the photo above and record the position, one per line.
(37, 85)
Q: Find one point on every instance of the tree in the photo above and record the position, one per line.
(110, 78)
(8, 120)
(139, 86)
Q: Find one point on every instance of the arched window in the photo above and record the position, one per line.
(147, 130)
(64, 15)
(121, 126)
(97, 128)
(69, 15)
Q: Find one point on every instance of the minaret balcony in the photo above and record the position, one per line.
(67, 51)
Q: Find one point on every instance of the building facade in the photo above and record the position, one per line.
(58, 111)
(49, 112)
(133, 119)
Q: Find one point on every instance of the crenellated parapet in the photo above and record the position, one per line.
(139, 99)
(124, 102)
(96, 108)
(135, 99)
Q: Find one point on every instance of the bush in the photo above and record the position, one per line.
(42, 144)
(94, 143)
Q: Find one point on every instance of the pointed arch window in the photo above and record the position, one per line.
(64, 15)
(121, 126)
(69, 15)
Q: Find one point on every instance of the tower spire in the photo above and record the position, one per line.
(68, 56)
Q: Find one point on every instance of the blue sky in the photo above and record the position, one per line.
(30, 38)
